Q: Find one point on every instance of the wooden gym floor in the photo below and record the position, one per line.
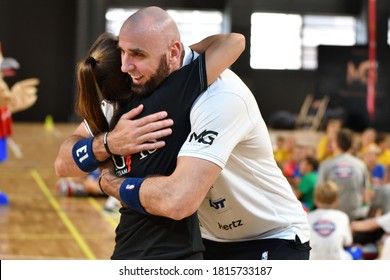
(39, 223)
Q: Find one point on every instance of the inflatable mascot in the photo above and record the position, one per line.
(20, 96)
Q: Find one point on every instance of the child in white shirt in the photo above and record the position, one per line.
(330, 228)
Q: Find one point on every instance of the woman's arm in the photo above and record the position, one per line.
(222, 50)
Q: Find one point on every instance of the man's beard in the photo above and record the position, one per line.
(155, 80)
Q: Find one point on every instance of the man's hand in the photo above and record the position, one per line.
(132, 136)
(127, 138)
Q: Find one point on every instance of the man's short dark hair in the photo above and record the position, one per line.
(345, 139)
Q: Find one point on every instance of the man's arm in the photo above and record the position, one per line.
(176, 196)
(128, 137)
(179, 195)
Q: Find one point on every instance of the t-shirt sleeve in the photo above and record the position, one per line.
(219, 120)
(181, 88)
(195, 72)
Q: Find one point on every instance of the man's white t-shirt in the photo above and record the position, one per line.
(251, 199)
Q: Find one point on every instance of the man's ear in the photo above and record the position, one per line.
(175, 54)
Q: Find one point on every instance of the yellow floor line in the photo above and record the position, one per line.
(76, 235)
(99, 208)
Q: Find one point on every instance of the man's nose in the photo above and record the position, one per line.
(127, 64)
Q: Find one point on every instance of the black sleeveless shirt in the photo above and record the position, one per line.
(141, 236)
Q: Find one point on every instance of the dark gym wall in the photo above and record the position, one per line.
(40, 35)
(281, 90)
(49, 37)
(382, 121)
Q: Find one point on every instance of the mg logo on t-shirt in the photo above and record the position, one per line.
(206, 137)
(343, 170)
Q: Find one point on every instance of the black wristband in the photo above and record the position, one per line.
(100, 186)
(106, 144)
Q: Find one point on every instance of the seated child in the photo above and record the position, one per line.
(330, 228)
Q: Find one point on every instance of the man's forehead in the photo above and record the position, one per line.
(141, 44)
(127, 41)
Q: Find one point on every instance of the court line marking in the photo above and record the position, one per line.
(15, 148)
(99, 208)
(54, 203)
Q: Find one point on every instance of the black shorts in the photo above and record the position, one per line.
(195, 256)
(264, 249)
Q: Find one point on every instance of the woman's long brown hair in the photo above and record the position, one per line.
(99, 77)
